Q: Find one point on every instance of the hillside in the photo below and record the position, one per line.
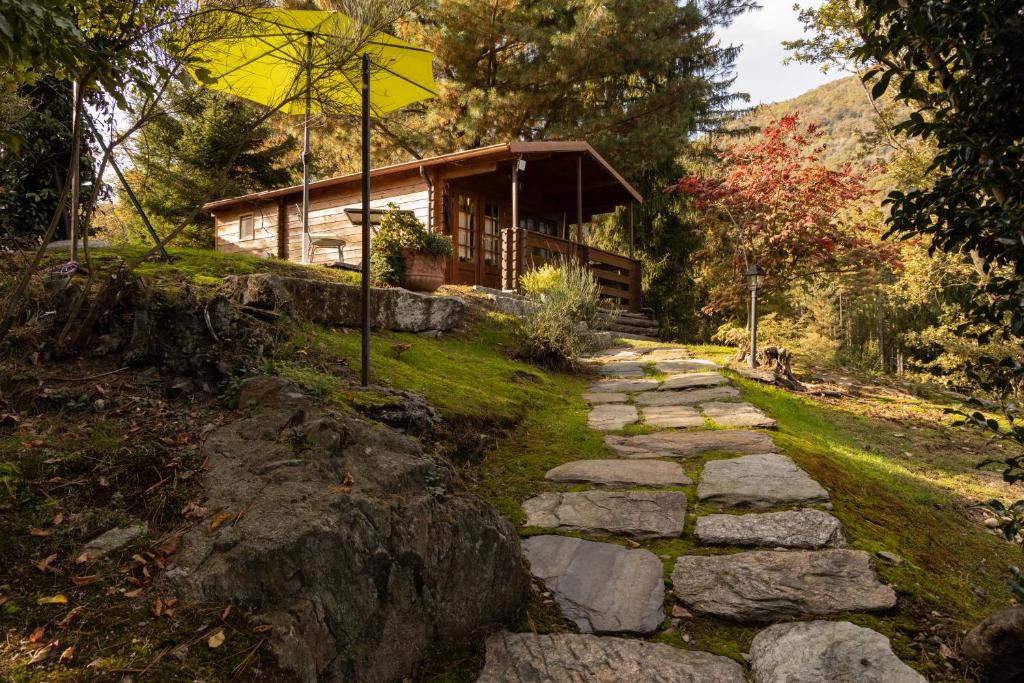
(842, 111)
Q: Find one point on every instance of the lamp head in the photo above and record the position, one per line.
(755, 276)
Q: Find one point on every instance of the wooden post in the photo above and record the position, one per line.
(515, 193)
(282, 229)
(635, 285)
(579, 198)
(632, 228)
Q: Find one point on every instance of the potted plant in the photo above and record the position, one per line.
(404, 254)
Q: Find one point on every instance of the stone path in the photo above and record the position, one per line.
(799, 566)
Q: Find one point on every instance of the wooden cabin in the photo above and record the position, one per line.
(508, 208)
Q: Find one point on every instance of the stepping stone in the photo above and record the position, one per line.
(693, 380)
(639, 514)
(815, 651)
(763, 585)
(686, 398)
(570, 657)
(622, 369)
(595, 397)
(687, 365)
(619, 473)
(602, 587)
(672, 416)
(737, 415)
(667, 354)
(762, 480)
(613, 355)
(611, 417)
(793, 529)
(628, 385)
(688, 444)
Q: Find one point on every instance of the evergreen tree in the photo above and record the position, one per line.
(206, 146)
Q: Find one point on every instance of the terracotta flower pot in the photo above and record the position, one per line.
(423, 272)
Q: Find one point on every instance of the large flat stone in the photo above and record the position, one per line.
(684, 365)
(817, 651)
(573, 658)
(689, 444)
(619, 473)
(613, 355)
(640, 514)
(603, 588)
(111, 541)
(806, 528)
(627, 385)
(667, 354)
(761, 480)
(595, 397)
(686, 398)
(610, 417)
(693, 380)
(672, 416)
(630, 368)
(764, 585)
(737, 415)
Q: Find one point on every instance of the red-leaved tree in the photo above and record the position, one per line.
(771, 201)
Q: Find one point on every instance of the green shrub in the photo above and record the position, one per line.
(401, 230)
(558, 328)
(539, 280)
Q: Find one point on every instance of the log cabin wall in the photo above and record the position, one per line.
(265, 229)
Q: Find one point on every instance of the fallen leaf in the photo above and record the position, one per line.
(225, 613)
(193, 509)
(66, 621)
(216, 639)
(133, 594)
(83, 558)
(67, 655)
(40, 533)
(34, 443)
(85, 580)
(347, 480)
(170, 544)
(44, 653)
(263, 628)
(59, 599)
(37, 634)
(43, 565)
(218, 520)
(158, 608)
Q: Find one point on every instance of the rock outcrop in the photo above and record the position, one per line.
(345, 538)
(996, 644)
(338, 304)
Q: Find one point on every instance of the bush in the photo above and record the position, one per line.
(558, 328)
(401, 230)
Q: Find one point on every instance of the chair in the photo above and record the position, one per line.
(327, 242)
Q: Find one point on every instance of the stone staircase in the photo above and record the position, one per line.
(628, 325)
(766, 549)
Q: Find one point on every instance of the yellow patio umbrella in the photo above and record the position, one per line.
(303, 62)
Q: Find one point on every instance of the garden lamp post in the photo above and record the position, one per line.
(755, 277)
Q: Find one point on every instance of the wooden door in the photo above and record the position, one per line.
(477, 257)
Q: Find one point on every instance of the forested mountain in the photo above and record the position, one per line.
(844, 113)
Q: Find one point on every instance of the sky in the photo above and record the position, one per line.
(759, 68)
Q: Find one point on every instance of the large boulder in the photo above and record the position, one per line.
(338, 304)
(345, 538)
(997, 644)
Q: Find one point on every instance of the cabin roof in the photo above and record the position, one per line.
(500, 152)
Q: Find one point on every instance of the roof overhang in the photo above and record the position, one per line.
(496, 153)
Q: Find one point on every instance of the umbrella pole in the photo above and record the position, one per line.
(366, 223)
(305, 151)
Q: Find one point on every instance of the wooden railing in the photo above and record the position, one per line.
(523, 250)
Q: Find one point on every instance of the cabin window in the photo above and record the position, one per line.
(541, 225)
(492, 234)
(245, 227)
(467, 228)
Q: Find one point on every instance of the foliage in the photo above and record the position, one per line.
(203, 146)
(731, 334)
(401, 230)
(539, 280)
(1009, 519)
(772, 202)
(960, 66)
(557, 328)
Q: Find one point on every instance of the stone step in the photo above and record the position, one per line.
(687, 398)
(635, 337)
(623, 385)
(805, 529)
(736, 415)
(672, 417)
(815, 651)
(619, 473)
(637, 514)
(765, 585)
(623, 368)
(762, 480)
(611, 417)
(672, 366)
(691, 444)
(597, 397)
(693, 380)
(574, 658)
(622, 328)
(602, 587)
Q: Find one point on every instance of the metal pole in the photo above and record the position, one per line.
(753, 327)
(109, 152)
(76, 176)
(305, 150)
(366, 223)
